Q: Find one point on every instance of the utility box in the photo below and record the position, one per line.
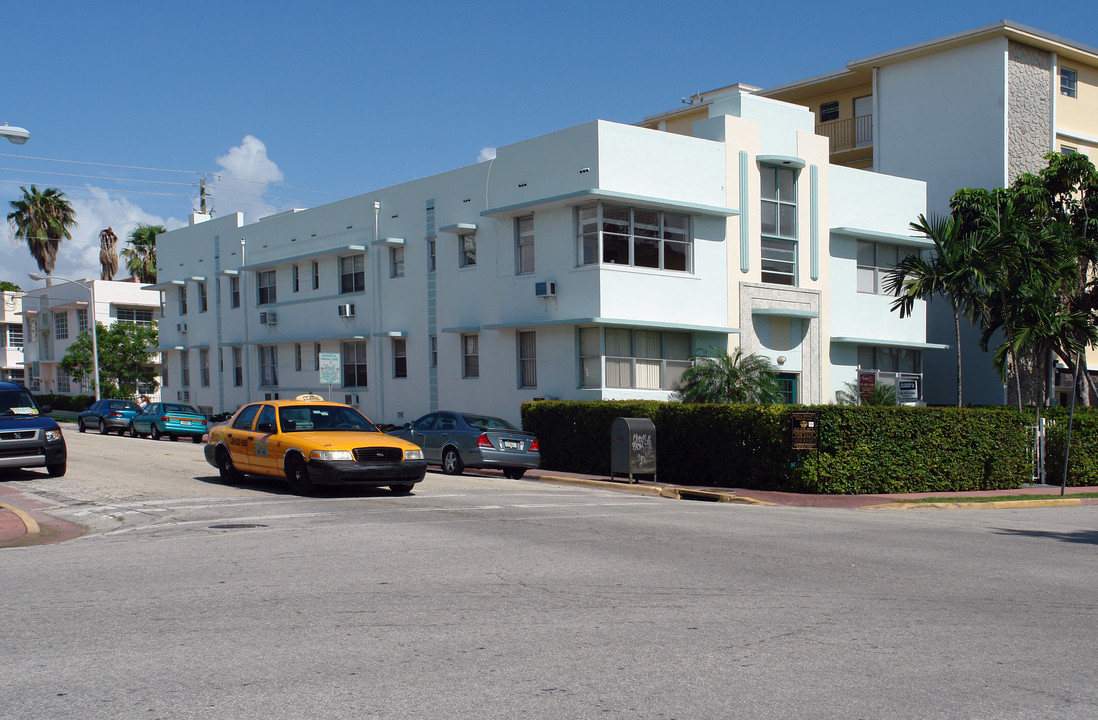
(633, 447)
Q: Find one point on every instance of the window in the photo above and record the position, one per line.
(297, 357)
(430, 254)
(234, 291)
(621, 235)
(396, 262)
(268, 365)
(352, 274)
(61, 325)
(434, 351)
(642, 359)
(295, 282)
(874, 261)
(527, 359)
(245, 419)
(779, 225)
(316, 356)
(81, 320)
(63, 384)
(468, 250)
(202, 297)
(265, 287)
(135, 317)
(1068, 150)
(184, 369)
(524, 245)
(470, 356)
(266, 420)
(787, 388)
(354, 364)
(892, 365)
(400, 357)
(15, 336)
(238, 367)
(182, 299)
(316, 274)
(164, 369)
(1068, 82)
(829, 111)
(204, 367)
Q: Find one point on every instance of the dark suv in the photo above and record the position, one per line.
(27, 437)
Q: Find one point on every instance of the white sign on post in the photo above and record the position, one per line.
(329, 369)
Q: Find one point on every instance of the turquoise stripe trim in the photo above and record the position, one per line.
(745, 217)
(814, 220)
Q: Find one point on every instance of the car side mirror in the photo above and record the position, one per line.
(45, 409)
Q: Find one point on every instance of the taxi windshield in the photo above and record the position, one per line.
(17, 402)
(325, 418)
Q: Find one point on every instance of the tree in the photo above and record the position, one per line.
(719, 377)
(140, 256)
(7, 286)
(852, 395)
(124, 357)
(108, 256)
(946, 273)
(42, 220)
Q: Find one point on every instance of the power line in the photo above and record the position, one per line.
(107, 190)
(97, 177)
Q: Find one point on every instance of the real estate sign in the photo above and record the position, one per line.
(329, 368)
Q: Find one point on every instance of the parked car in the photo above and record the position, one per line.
(309, 441)
(174, 420)
(457, 440)
(27, 437)
(107, 415)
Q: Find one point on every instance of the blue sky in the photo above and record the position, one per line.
(300, 104)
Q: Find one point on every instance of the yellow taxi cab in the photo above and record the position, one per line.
(309, 441)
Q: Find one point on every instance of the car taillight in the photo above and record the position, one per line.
(484, 442)
(534, 446)
(116, 414)
(164, 418)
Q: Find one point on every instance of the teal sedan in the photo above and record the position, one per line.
(174, 420)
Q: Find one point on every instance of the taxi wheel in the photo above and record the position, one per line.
(451, 462)
(156, 435)
(225, 468)
(401, 488)
(297, 475)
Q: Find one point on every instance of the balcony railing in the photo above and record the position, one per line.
(848, 134)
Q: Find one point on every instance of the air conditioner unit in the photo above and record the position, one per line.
(181, 328)
(545, 289)
(347, 310)
(268, 318)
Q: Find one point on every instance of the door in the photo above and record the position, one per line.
(266, 458)
(241, 439)
(421, 433)
(863, 121)
(787, 388)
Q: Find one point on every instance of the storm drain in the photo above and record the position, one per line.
(236, 526)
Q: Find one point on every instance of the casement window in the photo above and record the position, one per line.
(268, 365)
(641, 359)
(396, 262)
(467, 256)
(295, 278)
(184, 369)
(316, 274)
(527, 359)
(352, 274)
(400, 357)
(266, 289)
(316, 356)
(164, 374)
(524, 245)
(297, 357)
(61, 326)
(875, 260)
(431, 245)
(238, 367)
(182, 299)
(829, 111)
(890, 360)
(1069, 82)
(15, 336)
(470, 356)
(204, 367)
(63, 381)
(779, 225)
(202, 306)
(434, 351)
(354, 364)
(621, 235)
(234, 291)
(82, 320)
(134, 317)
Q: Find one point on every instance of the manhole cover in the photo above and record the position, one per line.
(236, 526)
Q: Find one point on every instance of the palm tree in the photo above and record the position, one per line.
(719, 377)
(852, 395)
(140, 256)
(948, 273)
(108, 256)
(42, 219)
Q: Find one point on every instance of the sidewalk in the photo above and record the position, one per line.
(24, 522)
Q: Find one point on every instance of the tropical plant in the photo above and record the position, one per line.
(140, 256)
(108, 255)
(124, 356)
(852, 395)
(716, 376)
(42, 219)
(7, 286)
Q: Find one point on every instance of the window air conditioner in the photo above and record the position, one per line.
(347, 310)
(268, 318)
(545, 289)
(183, 395)
(181, 328)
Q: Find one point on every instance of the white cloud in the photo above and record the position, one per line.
(488, 153)
(246, 173)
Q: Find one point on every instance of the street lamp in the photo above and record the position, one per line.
(17, 135)
(95, 342)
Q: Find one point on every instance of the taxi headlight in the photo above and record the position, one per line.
(416, 454)
(53, 435)
(330, 455)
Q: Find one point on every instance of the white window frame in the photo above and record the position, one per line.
(203, 367)
(1069, 83)
(779, 247)
(184, 369)
(467, 250)
(355, 366)
(615, 235)
(524, 245)
(61, 325)
(182, 299)
(268, 365)
(400, 357)
(238, 367)
(470, 355)
(628, 368)
(234, 291)
(874, 271)
(82, 320)
(266, 287)
(202, 300)
(295, 278)
(396, 262)
(432, 246)
(527, 350)
(352, 274)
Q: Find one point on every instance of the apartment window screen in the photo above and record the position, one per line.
(268, 365)
(134, 317)
(354, 364)
(528, 359)
(779, 225)
(641, 359)
(874, 261)
(352, 274)
(266, 288)
(400, 358)
(470, 356)
(1068, 82)
(468, 256)
(234, 291)
(524, 245)
(82, 320)
(396, 262)
(204, 367)
(184, 369)
(61, 326)
(829, 111)
(621, 235)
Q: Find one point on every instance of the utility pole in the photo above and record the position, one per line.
(202, 196)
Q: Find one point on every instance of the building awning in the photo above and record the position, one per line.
(895, 239)
(610, 322)
(305, 256)
(785, 312)
(389, 242)
(164, 285)
(879, 342)
(459, 228)
(579, 197)
(782, 160)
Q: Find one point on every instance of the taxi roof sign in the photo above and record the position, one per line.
(309, 397)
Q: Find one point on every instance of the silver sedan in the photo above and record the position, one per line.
(457, 440)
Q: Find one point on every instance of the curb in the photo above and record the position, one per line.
(30, 523)
(674, 493)
(995, 505)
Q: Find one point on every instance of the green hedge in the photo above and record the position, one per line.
(75, 403)
(1083, 460)
(861, 449)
